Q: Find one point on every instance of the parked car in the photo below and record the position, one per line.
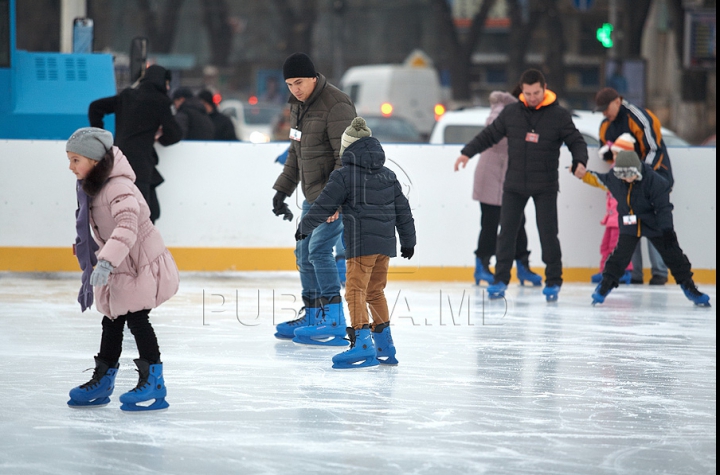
(253, 122)
(393, 129)
(461, 126)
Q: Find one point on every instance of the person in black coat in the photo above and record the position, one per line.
(224, 127)
(373, 206)
(536, 127)
(142, 115)
(194, 121)
(644, 209)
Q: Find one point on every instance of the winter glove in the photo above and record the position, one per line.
(280, 207)
(407, 252)
(605, 153)
(300, 236)
(101, 273)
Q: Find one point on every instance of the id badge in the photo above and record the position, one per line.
(532, 137)
(629, 219)
(295, 134)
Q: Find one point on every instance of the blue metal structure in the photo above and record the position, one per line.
(46, 95)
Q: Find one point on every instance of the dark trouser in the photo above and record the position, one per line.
(139, 325)
(487, 241)
(511, 218)
(148, 192)
(669, 250)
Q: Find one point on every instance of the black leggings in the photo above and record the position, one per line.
(139, 325)
(487, 240)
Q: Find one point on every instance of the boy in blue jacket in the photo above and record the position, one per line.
(373, 206)
(644, 209)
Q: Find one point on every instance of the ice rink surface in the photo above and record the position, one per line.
(516, 387)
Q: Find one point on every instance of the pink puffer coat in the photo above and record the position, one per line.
(493, 162)
(145, 274)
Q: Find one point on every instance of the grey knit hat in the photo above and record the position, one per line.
(90, 142)
(628, 164)
(357, 130)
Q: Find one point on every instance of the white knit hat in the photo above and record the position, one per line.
(357, 130)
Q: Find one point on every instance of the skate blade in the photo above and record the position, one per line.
(99, 402)
(388, 361)
(280, 336)
(495, 296)
(158, 405)
(327, 341)
(365, 363)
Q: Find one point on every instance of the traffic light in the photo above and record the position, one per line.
(604, 35)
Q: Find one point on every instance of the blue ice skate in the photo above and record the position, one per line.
(361, 353)
(328, 328)
(551, 292)
(497, 291)
(524, 273)
(626, 277)
(694, 295)
(384, 346)
(286, 330)
(342, 270)
(97, 391)
(596, 278)
(482, 273)
(601, 291)
(151, 385)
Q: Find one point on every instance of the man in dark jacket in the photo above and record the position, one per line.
(142, 115)
(644, 209)
(622, 117)
(319, 114)
(536, 127)
(194, 122)
(373, 207)
(224, 128)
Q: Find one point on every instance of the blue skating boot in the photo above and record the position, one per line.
(342, 269)
(602, 291)
(596, 278)
(482, 272)
(524, 273)
(328, 328)
(384, 346)
(694, 295)
(286, 330)
(361, 353)
(551, 292)
(151, 385)
(626, 278)
(97, 391)
(497, 291)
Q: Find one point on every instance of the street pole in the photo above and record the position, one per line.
(612, 19)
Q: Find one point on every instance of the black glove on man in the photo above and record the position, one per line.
(407, 252)
(300, 236)
(280, 207)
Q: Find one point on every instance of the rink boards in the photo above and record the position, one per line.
(217, 210)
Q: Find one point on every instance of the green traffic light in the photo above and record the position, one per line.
(604, 35)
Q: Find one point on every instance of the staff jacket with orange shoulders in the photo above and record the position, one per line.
(645, 127)
(535, 135)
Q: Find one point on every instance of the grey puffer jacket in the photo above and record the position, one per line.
(372, 201)
(493, 162)
(322, 119)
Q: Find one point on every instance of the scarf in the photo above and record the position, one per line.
(85, 247)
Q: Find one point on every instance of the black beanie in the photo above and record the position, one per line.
(299, 65)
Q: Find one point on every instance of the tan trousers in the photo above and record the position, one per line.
(365, 285)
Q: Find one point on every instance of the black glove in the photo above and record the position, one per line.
(608, 156)
(300, 236)
(407, 252)
(280, 207)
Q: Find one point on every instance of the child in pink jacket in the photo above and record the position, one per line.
(612, 232)
(133, 270)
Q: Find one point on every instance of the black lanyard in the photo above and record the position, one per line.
(539, 116)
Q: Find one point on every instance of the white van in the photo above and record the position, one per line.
(395, 90)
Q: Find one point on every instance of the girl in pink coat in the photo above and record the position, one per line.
(133, 270)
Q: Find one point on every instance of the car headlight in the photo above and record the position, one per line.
(258, 137)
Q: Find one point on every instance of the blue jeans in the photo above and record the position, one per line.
(315, 261)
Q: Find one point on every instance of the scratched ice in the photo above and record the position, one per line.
(518, 387)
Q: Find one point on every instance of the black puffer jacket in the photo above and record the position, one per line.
(139, 113)
(372, 201)
(194, 121)
(532, 165)
(648, 199)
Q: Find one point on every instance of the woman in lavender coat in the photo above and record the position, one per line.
(133, 270)
(488, 190)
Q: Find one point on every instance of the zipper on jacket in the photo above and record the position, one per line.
(631, 210)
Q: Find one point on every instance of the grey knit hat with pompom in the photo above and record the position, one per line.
(357, 130)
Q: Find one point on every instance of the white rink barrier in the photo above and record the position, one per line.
(217, 202)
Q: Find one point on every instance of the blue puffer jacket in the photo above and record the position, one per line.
(372, 202)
